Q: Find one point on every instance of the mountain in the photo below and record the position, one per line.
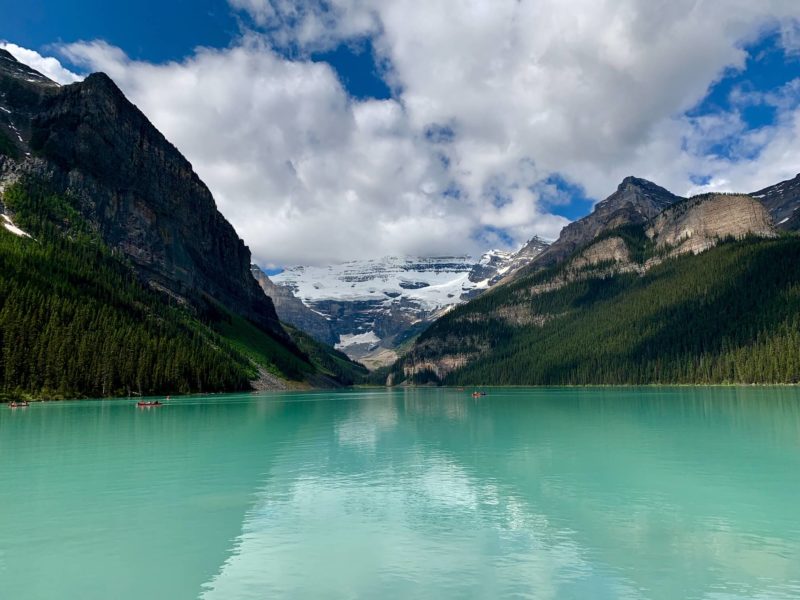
(701, 292)
(86, 174)
(783, 201)
(133, 186)
(291, 310)
(635, 202)
(496, 266)
(371, 308)
(374, 308)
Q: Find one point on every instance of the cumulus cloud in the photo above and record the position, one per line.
(493, 97)
(48, 66)
(304, 173)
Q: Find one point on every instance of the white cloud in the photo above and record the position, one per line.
(303, 173)
(48, 66)
(312, 24)
(592, 89)
(790, 36)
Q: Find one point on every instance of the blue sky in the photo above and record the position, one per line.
(161, 31)
(458, 129)
(153, 30)
(768, 68)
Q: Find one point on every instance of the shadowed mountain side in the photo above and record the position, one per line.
(783, 201)
(86, 140)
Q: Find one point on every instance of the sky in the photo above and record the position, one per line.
(330, 130)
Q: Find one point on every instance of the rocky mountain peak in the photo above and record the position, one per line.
(534, 245)
(12, 68)
(632, 180)
(634, 202)
(642, 194)
(101, 83)
(782, 200)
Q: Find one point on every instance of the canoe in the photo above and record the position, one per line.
(149, 404)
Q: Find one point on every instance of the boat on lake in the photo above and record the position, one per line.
(144, 404)
(19, 404)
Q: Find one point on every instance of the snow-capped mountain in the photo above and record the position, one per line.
(373, 306)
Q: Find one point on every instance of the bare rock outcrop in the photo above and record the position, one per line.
(291, 310)
(609, 250)
(699, 223)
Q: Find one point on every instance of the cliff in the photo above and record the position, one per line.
(87, 142)
(291, 310)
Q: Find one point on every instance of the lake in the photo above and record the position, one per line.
(637, 493)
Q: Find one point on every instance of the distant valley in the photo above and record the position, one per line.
(370, 309)
(374, 310)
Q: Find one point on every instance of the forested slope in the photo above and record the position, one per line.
(728, 315)
(76, 321)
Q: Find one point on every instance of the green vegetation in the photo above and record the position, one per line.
(729, 315)
(329, 362)
(261, 348)
(639, 245)
(75, 321)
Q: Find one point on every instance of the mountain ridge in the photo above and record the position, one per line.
(783, 202)
(634, 202)
(605, 253)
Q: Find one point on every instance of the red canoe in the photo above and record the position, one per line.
(149, 404)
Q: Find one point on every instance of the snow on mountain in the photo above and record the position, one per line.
(9, 225)
(431, 283)
(375, 305)
(354, 340)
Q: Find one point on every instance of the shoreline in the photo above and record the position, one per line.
(466, 389)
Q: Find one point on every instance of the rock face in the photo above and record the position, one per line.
(291, 310)
(635, 202)
(692, 226)
(88, 142)
(782, 200)
(697, 224)
(609, 250)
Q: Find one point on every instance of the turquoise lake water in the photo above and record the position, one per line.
(655, 493)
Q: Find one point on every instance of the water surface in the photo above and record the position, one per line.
(655, 493)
